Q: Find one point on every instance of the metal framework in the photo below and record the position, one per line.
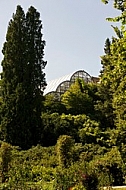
(61, 85)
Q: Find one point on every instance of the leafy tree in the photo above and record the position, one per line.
(109, 164)
(51, 124)
(55, 125)
(23, 80)
(90, 132)
(78, 99)
(113, 79)
(52, 104)
(104, 108)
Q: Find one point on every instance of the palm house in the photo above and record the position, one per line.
(61, 85)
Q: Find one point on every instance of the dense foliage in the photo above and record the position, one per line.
(23, 79)
(81, 136)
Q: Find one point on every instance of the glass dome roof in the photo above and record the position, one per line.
(61, 84)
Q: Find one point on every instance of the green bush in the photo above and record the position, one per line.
(5, 159)
(65, 145)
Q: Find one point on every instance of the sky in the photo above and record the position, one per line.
(74, 30)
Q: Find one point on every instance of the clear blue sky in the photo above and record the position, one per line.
(74, 31)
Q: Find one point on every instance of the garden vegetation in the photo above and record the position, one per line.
(77, 143)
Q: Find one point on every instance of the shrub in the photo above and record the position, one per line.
(65, 145)
(5, 158)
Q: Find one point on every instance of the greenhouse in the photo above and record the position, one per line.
(61, 85)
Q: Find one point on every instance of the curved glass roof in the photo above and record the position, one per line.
(63, 83)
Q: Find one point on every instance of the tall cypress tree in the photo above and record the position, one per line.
(35, 76)
(23, 80)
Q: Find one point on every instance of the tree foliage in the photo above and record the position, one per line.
(80, 98)
(52, 104)
(23, 80)
(5, 159)
(64, 150)
(84, 133)
(118, 4)
(113, 77)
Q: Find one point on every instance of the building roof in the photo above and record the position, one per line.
(63, 83)
(53, 84)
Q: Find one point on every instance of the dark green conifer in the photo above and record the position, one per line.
(23, 80)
